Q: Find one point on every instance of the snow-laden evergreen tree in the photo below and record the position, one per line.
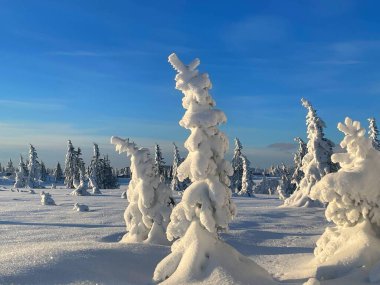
(237, 165)
(176, 185)
(10, 170)
(247, 182)
(94, 171)
(43, 172)
(34, 172)
(81, 185)
(70, 165)
(206, 207)
(353, 200)
(298, 156)
(159, 162)
(58, 174)
(79, 168)
(108, 177)
(373, 133)
(316, 163)
(148, 211)
(21, 174)
(285, 187)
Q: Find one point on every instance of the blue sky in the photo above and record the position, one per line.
(87, 70)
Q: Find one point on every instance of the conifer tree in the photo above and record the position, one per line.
(237, 165)
(43, 171)
(10, 168)
(316, 163)
(159, 163)
(33, 168)
(373, 133)
(247, 182)
(176, 185)
(70, 165)
(21, 174)
(58, 174)
(94, 171)
(298, 156)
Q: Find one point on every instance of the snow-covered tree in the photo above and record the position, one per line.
(58, 174)
(285, 187)
(10, 168)
(159, 162)
(94, 171)
(247, 182)
(176, 185)
(298, 156)
(237, 165)
(108, 177)
(34, 172)
(70, 165)
(82, 186)
(316, 163)
(43, 171)
(206, 207)
(148, 211)
(79, 168)
(373, 133)
(353, 200)
(21, 174)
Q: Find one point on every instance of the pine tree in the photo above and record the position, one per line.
(159, 163)
(373, 133)
(33, 168)
(148, 211)
(21, 174)
(298, 156)
(316, 163)
(43, 171)
(10, 168)
(94, 171)
(176, 185)
(70, 165)
(58, 174)
(80, 168)
(237, 165)
(206, 207)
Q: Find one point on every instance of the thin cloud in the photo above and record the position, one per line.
(282, 146)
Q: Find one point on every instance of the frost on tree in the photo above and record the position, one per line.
(159, 163)
(298, 156)
(373, 133)
(81, 188)
(94, 170)
(206, 207)
(246, 180)
(21, 174)
(316, 163)
(70, 165)
(176, 185)
(285, 187)
(33, 169)
(237, 165)
(148, 211)
(353, 200)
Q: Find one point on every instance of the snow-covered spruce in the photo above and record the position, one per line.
(298, 156)
(159, 163)
(237, 166)
(34, 171)
(21, 174)
(94, 171)
(176, 185)
(81, 207)
(46, 199)
(81, 188)
(373, 133)
(148, 211)
(70, 165)
(206, 207)
(285, 187)
(247, 183)
(316, 163)
(353, 200)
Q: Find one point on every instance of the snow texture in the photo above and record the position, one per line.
(148, 211)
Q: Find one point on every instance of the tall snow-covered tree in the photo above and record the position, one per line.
(246, 181)
(10, 168)
(159, 162)
(109, 178)
(80, 168)
(298, 156)
(237, 165)
(373, 133)
(316, 163)
(34, 172)
(148, 211)
(353, 200)
(21, 174)
(285, 187)
(43, 171)
(70, 165)
(206, 207)
(94, 171)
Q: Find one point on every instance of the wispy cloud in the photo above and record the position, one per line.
(31, 105)
(283, 146)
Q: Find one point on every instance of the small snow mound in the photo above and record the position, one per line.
(46, 199)
(312, 281)
(124, 195)
(80, 207)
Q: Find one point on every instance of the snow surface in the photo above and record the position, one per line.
(56, 245)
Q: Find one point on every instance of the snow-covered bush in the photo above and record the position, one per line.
(316, 163)
(148, 211)
(81, 207)
(353, 200)
(46, 199)
(206, 207)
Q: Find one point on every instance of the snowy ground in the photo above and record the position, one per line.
(57, 245)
